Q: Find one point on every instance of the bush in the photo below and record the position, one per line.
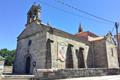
(9, 56)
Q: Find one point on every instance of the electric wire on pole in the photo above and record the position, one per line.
(82, 11)
(72, 13)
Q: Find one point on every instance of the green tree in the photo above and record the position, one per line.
(9, 56)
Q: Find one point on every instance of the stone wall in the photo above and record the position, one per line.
(1, 66)
(100, 54)
(65, 42)
(103, 54)
(112, 56)
(73, 73)
(31, 43)
(90, 57)
(42, 47)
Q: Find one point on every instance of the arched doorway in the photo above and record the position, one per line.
(27, 65)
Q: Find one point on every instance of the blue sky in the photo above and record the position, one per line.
(13, 17)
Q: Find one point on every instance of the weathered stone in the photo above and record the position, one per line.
(40, 46)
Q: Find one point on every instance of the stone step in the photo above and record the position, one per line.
(17, 77)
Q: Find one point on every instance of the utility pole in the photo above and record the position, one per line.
(117, 37)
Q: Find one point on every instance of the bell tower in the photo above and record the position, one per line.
(34, 14)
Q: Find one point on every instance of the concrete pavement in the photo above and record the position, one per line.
(113, 77)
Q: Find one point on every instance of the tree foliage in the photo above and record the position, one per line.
(9, 56)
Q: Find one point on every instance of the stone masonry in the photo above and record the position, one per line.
(41, 46)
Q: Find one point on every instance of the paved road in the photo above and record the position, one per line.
(115, 77)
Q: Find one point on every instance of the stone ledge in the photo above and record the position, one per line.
(74, 73)
(46, 70)
(17, 76)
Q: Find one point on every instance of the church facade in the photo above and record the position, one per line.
(41, 46)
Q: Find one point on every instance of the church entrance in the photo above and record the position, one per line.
(27, 66)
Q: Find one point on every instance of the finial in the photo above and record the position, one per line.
(80, 28)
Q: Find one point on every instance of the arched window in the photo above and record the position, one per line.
(29, 42)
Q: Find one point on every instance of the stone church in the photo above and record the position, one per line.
(41, 46)
(102, 50)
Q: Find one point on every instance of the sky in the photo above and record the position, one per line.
(13, 17)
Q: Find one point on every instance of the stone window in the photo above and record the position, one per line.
(112, 52)
(29, 42)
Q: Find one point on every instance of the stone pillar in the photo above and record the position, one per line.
(69, 57)
(75, 61)
(48, 54)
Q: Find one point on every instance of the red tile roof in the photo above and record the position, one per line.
(84, 35)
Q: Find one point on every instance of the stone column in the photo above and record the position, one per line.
(69, 57)
(48, 54)
(75, 61)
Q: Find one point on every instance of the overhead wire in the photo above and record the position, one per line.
(72, 13)
(82, 11)
(70, 6)
(47, 4)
